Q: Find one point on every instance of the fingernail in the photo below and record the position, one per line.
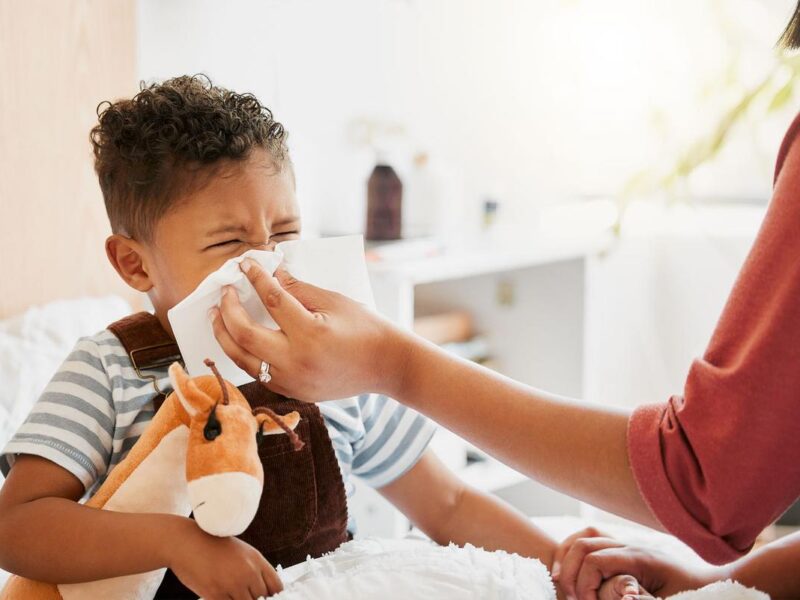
(246, 264)
(556, 569)
(212, 313)
(226, 290)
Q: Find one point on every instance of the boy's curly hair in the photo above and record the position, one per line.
(168, 140)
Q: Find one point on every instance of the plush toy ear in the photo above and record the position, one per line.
(269, 423)
(192, 399)
(268, 426)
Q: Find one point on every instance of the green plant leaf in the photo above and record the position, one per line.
(782, 96)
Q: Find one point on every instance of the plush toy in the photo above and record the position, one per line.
(199, 454)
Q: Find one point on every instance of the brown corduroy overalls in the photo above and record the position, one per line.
(303, 508)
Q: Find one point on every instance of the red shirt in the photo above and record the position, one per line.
(721, 462)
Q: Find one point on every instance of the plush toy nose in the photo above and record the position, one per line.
(224, 504)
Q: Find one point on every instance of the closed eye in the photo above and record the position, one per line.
(225, 243)
(285, 234)
(278, 237)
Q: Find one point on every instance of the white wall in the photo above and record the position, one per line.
(653, 300)
(531, 101)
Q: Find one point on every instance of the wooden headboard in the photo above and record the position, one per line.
(58, 60)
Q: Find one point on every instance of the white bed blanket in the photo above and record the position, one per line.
(407, 569)
(723, 590)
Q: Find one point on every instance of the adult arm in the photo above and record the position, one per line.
(588, 562)
(576, 447)
(713, 466)
(720, 462)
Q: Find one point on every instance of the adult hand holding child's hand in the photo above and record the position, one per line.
(578, 580)
(328, 345)
(594, 566)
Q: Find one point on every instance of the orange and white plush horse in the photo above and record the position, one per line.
(199, 454)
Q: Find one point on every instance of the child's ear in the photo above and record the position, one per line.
(192, 398)
(127, 257)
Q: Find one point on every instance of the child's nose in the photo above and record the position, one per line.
(268, 245)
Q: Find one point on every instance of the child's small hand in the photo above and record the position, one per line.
(623, 587)
(221, 568)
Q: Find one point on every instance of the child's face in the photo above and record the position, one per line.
(247, 206)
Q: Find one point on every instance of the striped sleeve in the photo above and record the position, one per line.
(394, 440)
(72, 423)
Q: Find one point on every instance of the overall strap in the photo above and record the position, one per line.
(147, 343)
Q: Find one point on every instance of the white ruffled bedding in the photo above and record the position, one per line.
(407, 569)
(723, 590)
(33, 345)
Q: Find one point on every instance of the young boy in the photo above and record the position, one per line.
(192, 175)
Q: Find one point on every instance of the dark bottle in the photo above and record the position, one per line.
(384, 204)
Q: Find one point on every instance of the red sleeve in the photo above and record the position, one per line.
(722, 462)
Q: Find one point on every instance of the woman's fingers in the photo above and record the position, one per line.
(284, 308)
(251, 336)
(563, 547)
(315, 299)
(605, 563)
(328, 347)
(572, 566)
(243, 359)
(589, 582)
(272, 345)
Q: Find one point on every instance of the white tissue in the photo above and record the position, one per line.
(336, 264)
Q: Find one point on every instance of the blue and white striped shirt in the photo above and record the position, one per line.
(95, 408)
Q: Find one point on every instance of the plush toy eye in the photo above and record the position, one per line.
(213, 427)
(260, 434)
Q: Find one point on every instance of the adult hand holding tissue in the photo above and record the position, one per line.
(335, 264)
